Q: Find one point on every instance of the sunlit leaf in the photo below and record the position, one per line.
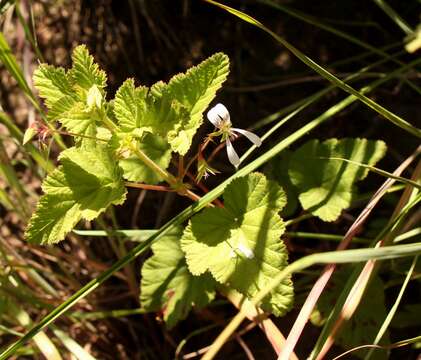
(241, 244)
(168, 286)
(52, 84)
(326, 186)
(86, 183)
(85, 72)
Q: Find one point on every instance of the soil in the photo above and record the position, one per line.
(152, 41)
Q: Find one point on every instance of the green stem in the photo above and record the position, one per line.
(169, 178)
(108, 123)
(178, 186)
(186, 214)
(144, 246)
(298, 219)
(147, 187)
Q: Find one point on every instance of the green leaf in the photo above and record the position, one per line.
(241, 244)
(326, 186)
(87, 182)
(195, 90)
(75, 117)
(52, 84)
(75, 99)
(278, 171)
(130, 106)
(363, 326)
(85, 72)
(154, 147)
(168, 286)
(174, 110)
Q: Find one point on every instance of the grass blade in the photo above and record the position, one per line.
(9, 61)
(330, 257)
(17, 134)
(394, 308)
(377, 171)
(78, 351)
(394, 16)
(41, 339)
(395, 119)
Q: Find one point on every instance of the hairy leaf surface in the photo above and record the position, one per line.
(195, 90)
(85, 72)
(174, 110)
(168, 286)
(130, 105)
(76, 99)
(241, 244)
(87, 182)
(325, 185)
(52, 84)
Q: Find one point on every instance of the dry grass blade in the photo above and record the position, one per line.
(373, 347)
(272, 333)
(354, 297)
(320, 284)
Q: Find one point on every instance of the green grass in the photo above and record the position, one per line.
(44, 284)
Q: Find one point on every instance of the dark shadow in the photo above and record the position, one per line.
(369, 150)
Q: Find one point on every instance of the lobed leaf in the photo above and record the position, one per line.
(130, 105)
(241, 244)
(326, 186)
(168, 286)
(76, 99)
(195, 90)
(85, 72)
(75, 117)
(52, 84)
(87, 182)
(174, 110)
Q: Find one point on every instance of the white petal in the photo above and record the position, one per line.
(247, 252)
(218, 114)
(232, 155)
(249, 135)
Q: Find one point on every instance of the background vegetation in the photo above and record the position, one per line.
(151, 41)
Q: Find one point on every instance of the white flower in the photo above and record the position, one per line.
(220, 118)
